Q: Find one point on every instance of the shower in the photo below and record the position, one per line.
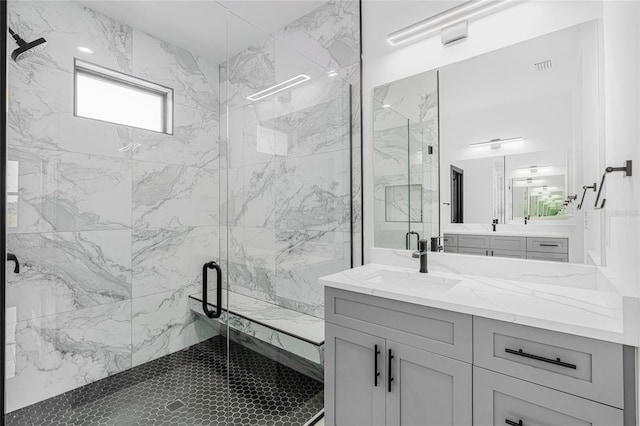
(26, 50)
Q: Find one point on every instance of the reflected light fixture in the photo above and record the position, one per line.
(446, 19)
(279, 87)
(84, 49)
(496, 143)
(332, 73)
(386, 106)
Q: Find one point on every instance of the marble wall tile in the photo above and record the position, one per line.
(195, 140)
(174, 196)
(302, 256)
(61, 191)
(327, 35)
(251, 262)
(41, 115)
(248, 72)
(167, 259)
(58, 353)
(193, 78)
(163, 323)
(68, 271)
(313, 193)
(66, 25)
(252, 195)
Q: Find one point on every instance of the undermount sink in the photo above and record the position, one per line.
(411, 280)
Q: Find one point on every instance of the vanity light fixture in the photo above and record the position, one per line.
(279, 87)
(496, 143)
(446, 19)
(533, 169)
(85, 50)
(386, 106)
(332, 73)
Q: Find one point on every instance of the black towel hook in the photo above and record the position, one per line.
(627, 169)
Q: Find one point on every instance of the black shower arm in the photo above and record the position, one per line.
(627, 169)
(584, 188)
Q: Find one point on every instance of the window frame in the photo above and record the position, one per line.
(118, 78)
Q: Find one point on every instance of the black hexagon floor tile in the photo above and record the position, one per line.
(189, 387)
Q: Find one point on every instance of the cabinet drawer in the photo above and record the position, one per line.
(577, 365)
(509, 243)
(503, 400)
(450, 240)
(474, 241)
(449, 249)
(548, 245)
(474, 251)
(553, 257)
(509, 253)
(435, 330)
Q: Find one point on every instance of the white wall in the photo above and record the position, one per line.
(622, 136)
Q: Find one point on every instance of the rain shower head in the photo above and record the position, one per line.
(26, 50)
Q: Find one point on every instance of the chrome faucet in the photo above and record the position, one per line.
(421, 254)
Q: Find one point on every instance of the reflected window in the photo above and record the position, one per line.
(108, 95)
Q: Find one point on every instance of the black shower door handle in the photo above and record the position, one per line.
(205, 307)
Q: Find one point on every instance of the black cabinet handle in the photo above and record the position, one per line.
(486, 252)
(549, 245)
(556, 361)
(205, 306)
(390, 363)
(512, 423)
(376, 373)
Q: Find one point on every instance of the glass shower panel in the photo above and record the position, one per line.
(423, 176)
(394, 190)
(289, 221)
(112, 224)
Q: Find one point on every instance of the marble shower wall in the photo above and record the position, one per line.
(113, 223)
(405, 130)
(291, 161)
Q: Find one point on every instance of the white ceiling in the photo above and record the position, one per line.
(200, 26)
(508, 75)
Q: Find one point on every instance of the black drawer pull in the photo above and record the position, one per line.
(390, 376)
(549, 245)
(376, 373)
(512, 423)
(556, 361)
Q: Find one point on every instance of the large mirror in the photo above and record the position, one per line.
(495, 145)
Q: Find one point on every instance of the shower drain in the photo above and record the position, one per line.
(175, 405)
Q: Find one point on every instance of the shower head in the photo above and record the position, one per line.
(26, 50)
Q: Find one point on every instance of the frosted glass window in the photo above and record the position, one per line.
(107, 95)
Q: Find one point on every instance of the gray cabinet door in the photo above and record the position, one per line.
(474, 241)
(509, 243)
(474, 251)
(500, 400)
(513, 254)
(426, 389)
(351, 396)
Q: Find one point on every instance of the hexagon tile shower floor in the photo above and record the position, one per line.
(187, 388)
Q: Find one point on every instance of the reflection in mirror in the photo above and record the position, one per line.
(406, 161)
(516, 131)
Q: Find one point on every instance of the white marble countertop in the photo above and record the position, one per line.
(593, 311)
(523, 233)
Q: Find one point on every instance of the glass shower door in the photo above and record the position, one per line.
(111, 224)
(289, 209)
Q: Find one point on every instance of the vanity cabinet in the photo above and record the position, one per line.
(515, 247)
(389, 362)
(392, 370)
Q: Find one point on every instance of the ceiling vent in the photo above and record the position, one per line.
(544, 65)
